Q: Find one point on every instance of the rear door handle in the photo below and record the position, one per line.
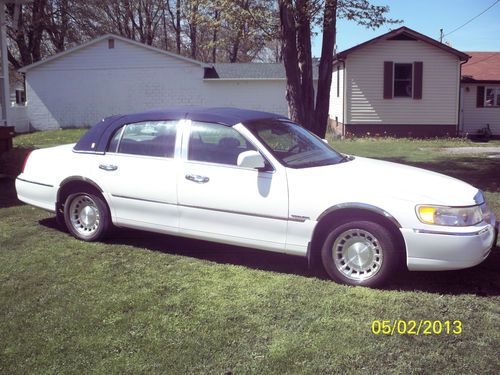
(108, 167)
(197, 178)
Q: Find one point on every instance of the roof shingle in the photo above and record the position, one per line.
(482, 66)
(250, 71)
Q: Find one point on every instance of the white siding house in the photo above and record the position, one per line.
(401, 83)
(112, 75)
(480, 93)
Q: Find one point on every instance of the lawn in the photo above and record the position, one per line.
(153, 304)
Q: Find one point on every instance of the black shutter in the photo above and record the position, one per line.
(388, 81)
(480, 96)
(418, 67)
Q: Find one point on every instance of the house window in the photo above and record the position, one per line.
(492, 97)
(403, 80)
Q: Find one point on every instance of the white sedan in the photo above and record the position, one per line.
(257, 180)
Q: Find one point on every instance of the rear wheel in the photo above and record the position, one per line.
(86, 215)
(360, 253)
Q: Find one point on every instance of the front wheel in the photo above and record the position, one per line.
(360, 253)
(86, 215)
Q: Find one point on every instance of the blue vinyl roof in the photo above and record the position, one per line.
(97, 138)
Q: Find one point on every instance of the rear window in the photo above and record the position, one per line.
(151, 138)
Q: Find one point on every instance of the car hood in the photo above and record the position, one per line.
(361, 176)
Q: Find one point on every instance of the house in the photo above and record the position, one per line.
(112, 75)
(401, 83)
(480, 93)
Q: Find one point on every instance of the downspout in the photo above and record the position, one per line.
(460, 126)
(344, 96)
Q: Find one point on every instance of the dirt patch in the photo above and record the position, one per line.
(471, 150)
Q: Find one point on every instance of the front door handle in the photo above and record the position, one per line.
(197, 178)
(108, 167)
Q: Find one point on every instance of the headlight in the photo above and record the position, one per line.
(451, 216)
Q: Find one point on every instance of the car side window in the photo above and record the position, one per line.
(151, 138)
(214, 143)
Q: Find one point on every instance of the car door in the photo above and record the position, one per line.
(138, 174)
(221, 201)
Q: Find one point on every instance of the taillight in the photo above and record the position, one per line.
(26, 161)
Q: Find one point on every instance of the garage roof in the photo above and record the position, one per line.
(104, 37)
(250, 71)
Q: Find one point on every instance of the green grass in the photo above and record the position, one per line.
(48, 138)
(153, 304)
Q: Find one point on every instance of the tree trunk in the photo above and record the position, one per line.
(289, 37)
(233, 53)
(165, 31)
(193, 29)
(178, 26)
(305, 62)
(214, 36)
(325, 68)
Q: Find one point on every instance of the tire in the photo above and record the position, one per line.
(360, 253)
(86, 216)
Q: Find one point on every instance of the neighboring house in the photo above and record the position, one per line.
(113, 75)
(401, 83)
(480, 93)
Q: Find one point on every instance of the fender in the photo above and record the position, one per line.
(59, 204)
(311, 261)
(79, 179)
(361, 206)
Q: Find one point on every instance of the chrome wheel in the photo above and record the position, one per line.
(84, 215)
(357, 254)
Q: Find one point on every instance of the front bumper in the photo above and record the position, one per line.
(439, 251)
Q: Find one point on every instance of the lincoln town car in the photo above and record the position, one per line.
(258, 180)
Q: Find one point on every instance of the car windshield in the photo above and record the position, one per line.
(293, 145)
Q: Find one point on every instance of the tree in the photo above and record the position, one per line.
(28, 36)
(296, 20)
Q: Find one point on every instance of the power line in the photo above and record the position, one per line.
(473, 18)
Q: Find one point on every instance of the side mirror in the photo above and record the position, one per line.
(250, 159)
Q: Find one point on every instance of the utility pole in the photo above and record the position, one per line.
(4, 73)
(441, 35)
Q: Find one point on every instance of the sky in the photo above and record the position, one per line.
(427, 17)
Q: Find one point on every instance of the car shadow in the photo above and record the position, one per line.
(482, 280)
(8, 197)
